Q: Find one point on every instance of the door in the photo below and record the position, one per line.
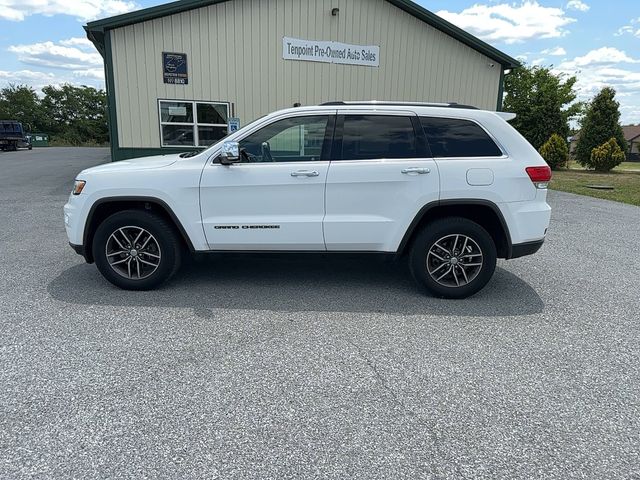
(381, 177)
(274, 198)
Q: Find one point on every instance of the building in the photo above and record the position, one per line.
(179, 75)
(631, 135)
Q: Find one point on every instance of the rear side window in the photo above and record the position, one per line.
(378, 136)
(453, 137)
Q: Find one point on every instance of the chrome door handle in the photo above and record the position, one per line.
(416, 170)
(305, 173)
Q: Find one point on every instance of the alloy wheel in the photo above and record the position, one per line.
(133, 252)
(455, 260)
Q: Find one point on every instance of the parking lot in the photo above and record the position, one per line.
(312, 366)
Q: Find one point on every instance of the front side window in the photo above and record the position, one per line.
(368, 137)
(192, 124)
(454, 137)
(298, 139)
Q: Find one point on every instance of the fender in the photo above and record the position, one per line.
(424, 211)
(141, 199)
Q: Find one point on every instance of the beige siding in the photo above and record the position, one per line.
(234, 54)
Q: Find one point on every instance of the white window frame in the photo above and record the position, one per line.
(194, 125)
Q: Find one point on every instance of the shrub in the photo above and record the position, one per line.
(606, 156)
(600, 123)
(555, 152)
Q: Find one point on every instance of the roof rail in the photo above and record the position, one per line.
(412, 104)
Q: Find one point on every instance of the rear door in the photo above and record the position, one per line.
(381, 174)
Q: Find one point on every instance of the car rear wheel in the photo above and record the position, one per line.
(453, 257)
(136, 250)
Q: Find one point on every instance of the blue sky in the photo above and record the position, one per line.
(42, 42)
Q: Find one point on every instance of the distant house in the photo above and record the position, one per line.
(631, 135)
(573, 143)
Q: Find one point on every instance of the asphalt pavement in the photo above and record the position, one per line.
(282, 367)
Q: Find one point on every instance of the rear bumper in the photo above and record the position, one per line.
(523, 249)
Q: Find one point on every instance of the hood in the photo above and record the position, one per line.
(144, 163)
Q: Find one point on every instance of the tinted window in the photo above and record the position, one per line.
(378, 136)
(450, 137)
(296, 139)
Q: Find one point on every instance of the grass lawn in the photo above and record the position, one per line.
(626, 183)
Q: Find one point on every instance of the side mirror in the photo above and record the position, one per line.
(230, 153)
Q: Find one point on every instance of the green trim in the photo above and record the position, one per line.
(96, 31)
(111, 97)
(500, 91)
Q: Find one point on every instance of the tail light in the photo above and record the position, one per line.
(540, 176)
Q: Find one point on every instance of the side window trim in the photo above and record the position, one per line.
(329, 139)
(423, 149)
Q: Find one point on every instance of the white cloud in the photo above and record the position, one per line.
(600, 57)
(80, 42)
(511, 23)
(60, 55)
(37, 80)
(74, 60)
(18, 10)
(632, 28)
(556, 52)
(605, 67)
(578, 5)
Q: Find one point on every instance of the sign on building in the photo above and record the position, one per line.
(233, 125)
(174, 68)
(330, 52)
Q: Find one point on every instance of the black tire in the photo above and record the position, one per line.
(164, 235)
(444, 232)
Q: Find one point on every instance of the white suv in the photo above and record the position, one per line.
(450, 186)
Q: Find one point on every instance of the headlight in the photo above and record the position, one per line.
(78, 186)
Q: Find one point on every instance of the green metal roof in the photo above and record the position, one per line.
(96, 30)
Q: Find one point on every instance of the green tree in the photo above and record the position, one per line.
(600, 123)
(21, 103)
(544, 103)
(606, 156)
(76, 115)
(555, 151)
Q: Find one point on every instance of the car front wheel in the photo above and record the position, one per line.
(453, 257)
(136, 250)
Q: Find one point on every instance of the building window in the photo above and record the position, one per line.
(192, 124)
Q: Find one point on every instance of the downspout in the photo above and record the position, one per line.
(500, 90)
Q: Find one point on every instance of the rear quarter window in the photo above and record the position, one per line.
(454, 137)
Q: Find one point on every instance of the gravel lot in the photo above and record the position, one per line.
(313, 367)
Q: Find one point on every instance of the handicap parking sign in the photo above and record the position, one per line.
(233, 125)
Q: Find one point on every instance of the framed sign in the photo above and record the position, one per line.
(330, 52)
(174, 68)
